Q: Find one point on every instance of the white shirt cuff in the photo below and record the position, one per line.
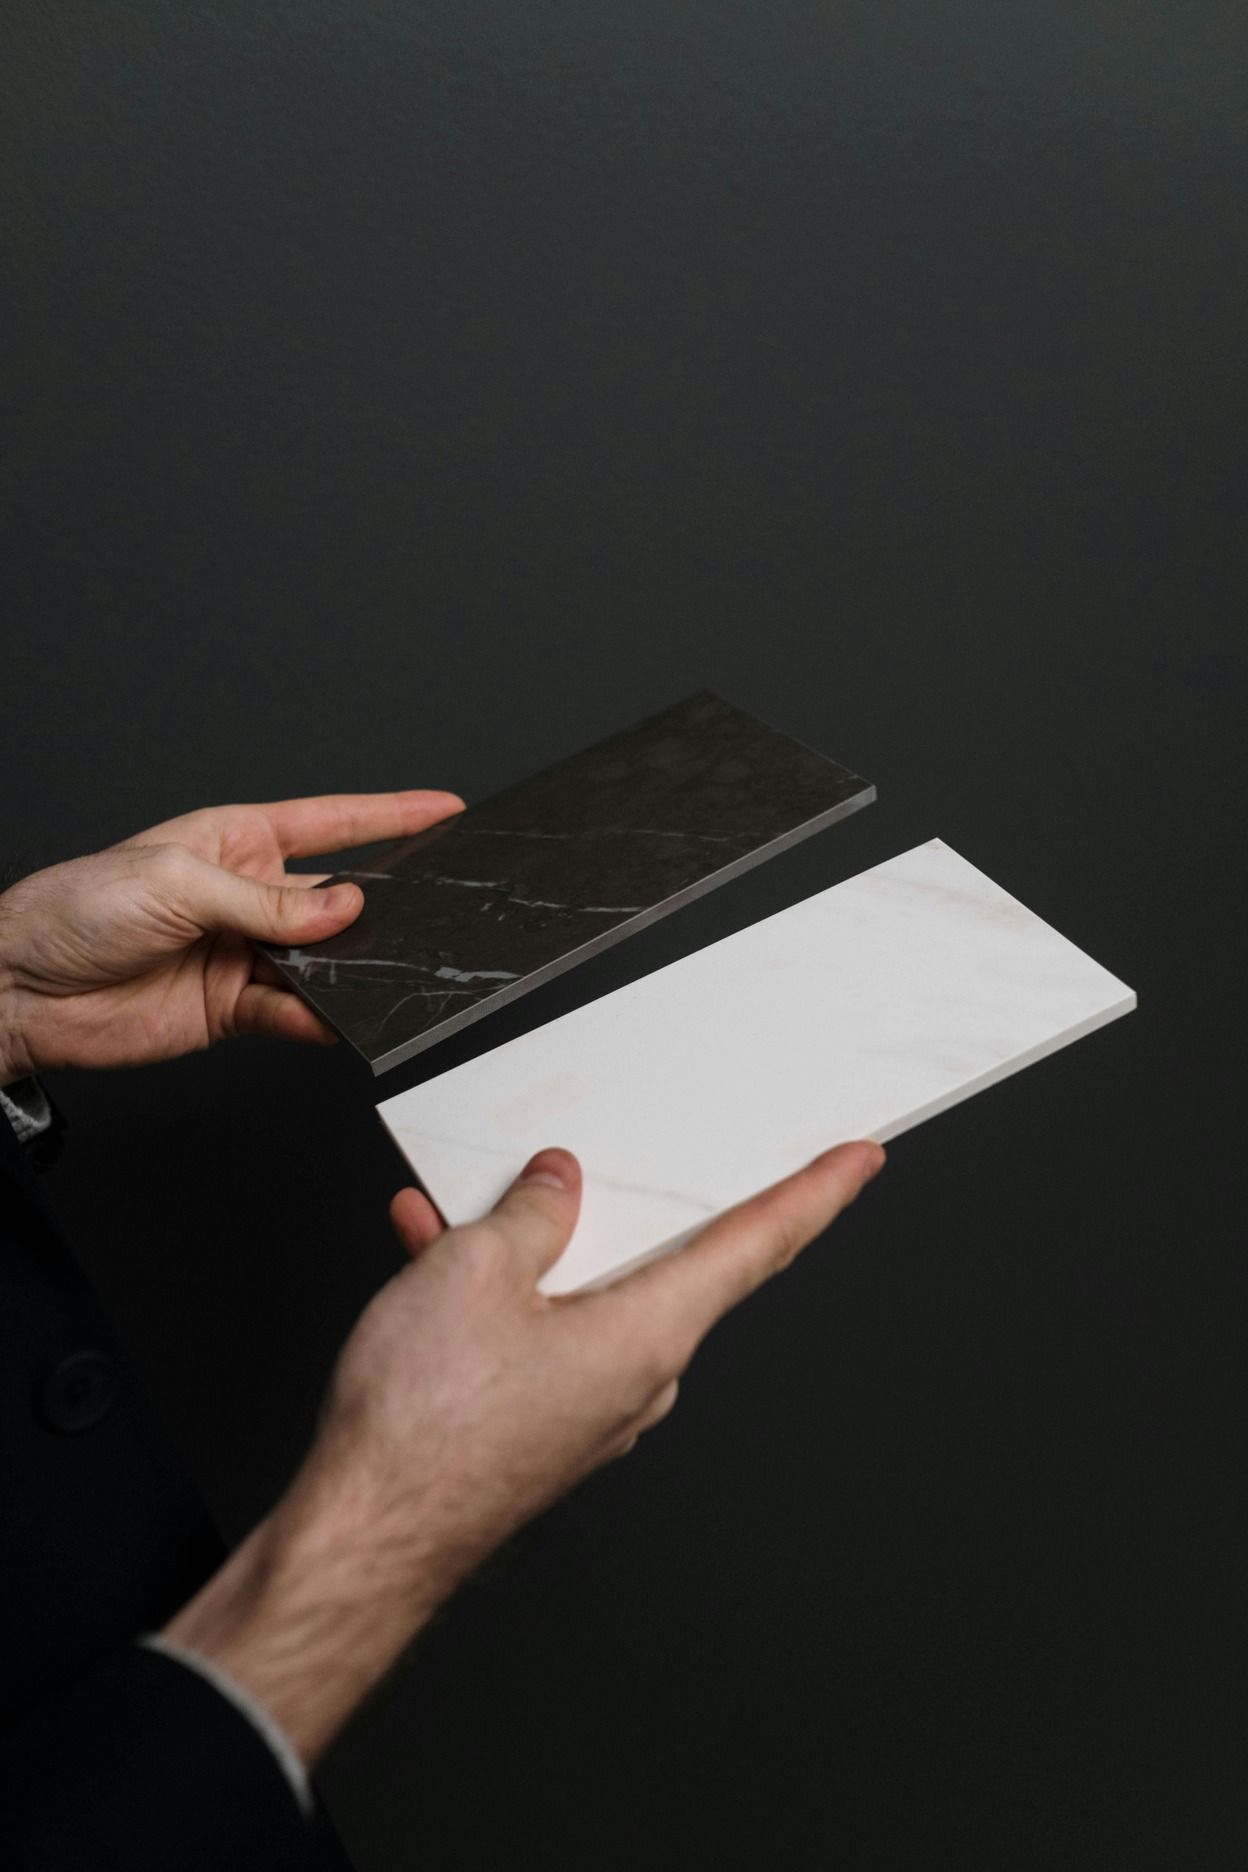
(255, 1712)
(25, 1104)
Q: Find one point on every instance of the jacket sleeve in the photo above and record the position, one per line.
(141, 1765)
(114, 1754)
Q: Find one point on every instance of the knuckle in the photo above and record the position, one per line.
(655, 1409)
(650, 1372)
(484, 1254)
(290, 904)
(170, 860)
(660, 1361)
(165, 872)
(538, 1211)
(534, 1199)
(787, 1239)
(680, 1350)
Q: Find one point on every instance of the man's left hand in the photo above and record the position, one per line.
(144, 951)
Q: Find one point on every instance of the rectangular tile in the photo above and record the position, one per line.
(472, 913)
(857, 1013)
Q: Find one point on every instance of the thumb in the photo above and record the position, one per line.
(277, 913)
(537, 1214)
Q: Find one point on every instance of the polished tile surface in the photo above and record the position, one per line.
(857, 1013)
(474, 912)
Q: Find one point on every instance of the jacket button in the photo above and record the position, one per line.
(79, 1391)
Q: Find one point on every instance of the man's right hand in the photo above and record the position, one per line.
(463, 1403)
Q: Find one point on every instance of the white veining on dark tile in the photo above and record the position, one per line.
(568, 873)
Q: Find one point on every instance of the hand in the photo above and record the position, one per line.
(462, 1404)
(142, 952)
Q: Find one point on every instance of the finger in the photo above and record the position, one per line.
(739, 1250)
(331, 822)
(660, 1407)
(415, 1220)
(307, 880)
(280, 1014)
(217, 899)
(538, 1213)
(655, 1412)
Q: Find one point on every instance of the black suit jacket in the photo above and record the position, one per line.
(113, 1758)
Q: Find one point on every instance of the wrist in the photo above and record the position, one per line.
(309, 1613)
(15, 1062)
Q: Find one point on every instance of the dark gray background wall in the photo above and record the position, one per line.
(410, 395)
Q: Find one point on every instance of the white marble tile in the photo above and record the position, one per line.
(858, 1013)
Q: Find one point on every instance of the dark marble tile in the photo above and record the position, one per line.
(474, 912)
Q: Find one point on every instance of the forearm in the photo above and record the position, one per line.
(313, 1608)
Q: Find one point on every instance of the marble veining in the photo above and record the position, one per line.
(857, 1013)
(550, 871)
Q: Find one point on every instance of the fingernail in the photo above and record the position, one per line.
(545, 1168)
(878, 1161)
(342, 897)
